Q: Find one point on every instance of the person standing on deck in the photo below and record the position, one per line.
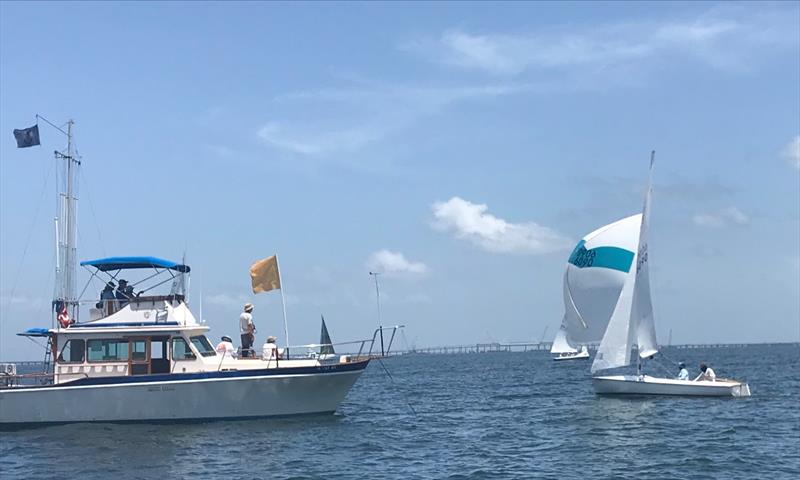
(683, 374)
(122, 298)
(107, 299)
(247, 329)
(706, 373)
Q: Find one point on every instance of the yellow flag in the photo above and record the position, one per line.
(265, 276)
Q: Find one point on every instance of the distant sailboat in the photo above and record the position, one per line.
(564, 351)
(632, 324)
(596, 274)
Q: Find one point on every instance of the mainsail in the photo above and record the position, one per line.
(597, 270)
(561, 343)
(632, 322)
(326, 347)
(642, 302)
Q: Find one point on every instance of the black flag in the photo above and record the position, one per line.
(27, 137)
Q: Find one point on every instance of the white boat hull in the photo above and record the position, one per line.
(646, 385)
(572, 356)
(252, 395)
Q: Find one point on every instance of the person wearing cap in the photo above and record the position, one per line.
(683, 374)
(706, 374)
(270, 350)
(225, 347)
(121, 296)
(247, 329)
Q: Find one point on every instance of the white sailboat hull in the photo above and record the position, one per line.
(185, 399)
(572, 356)
(646, 385)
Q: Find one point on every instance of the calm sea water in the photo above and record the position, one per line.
(498, 415)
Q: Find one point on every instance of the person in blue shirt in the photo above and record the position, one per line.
(683, 374)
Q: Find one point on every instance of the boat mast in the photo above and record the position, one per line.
(66, 227)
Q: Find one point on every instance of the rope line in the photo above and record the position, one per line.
(392, 379)
(28, 240)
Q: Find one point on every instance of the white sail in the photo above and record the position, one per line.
(597, 271)
(642, 312)
(561, 343)
(615, 348)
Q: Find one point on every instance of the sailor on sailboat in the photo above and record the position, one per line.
(632, 324)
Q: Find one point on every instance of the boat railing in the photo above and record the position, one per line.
(365, 346)
(30, 379)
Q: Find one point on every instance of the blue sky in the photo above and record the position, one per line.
(462, 149)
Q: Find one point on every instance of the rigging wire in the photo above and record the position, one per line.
(380, 360)
(30, 235)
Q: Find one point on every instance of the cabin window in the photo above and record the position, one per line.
(107, 350)
(73, 351)
(180, 350)
(138, 350)
(203, 346)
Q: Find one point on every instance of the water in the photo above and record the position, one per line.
(499, 415)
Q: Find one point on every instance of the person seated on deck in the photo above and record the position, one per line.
(225, 347)
(706, 374)
(121, 296)
(683, 374)
(269, 350)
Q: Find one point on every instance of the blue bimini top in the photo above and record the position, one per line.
(127, 263)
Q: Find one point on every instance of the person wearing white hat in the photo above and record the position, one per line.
(247, 329)
(225, 347)
(269, 350)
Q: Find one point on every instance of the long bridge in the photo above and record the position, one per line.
(493, 347)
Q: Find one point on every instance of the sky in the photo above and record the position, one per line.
(460, 149)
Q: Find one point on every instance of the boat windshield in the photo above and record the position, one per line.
(203, 346)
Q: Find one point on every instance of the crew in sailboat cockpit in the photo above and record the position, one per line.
(706, 373)
(683, 374)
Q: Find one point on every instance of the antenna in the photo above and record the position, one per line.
(378, 300)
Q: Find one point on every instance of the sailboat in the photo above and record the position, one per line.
(632, 324)
(564, 351)
(595, 275)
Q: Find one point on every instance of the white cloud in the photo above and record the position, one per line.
(726, 217)
(386, 261)
(792, 152)
(472, 222)
(727, 38)
(227, 300)
(349, 119)
(418, 298)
